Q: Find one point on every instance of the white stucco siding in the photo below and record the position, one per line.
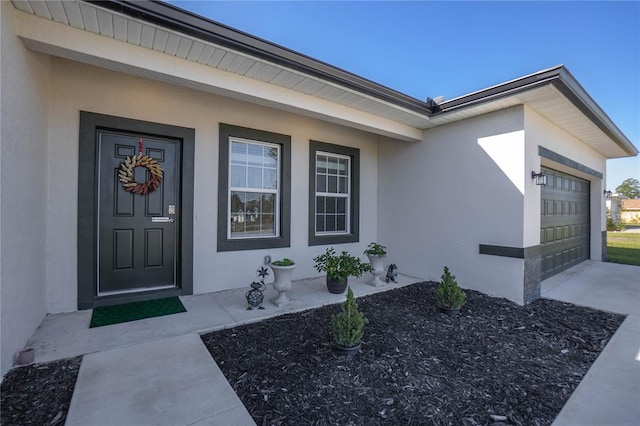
(24, 81)
(541, 132)
(459, 188)
(82, 87)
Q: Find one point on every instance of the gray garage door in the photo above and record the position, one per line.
(564, 232)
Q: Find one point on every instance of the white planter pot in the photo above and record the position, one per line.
(377, 269)
(282, 283)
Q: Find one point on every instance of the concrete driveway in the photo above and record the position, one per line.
(609, 394)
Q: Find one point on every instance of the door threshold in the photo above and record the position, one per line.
(119, 298)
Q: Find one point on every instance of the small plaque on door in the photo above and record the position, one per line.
(161, 219)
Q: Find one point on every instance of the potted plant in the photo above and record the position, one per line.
(339, 268)
(449, 295)
(347, 327)
(282, 271)
(376, 254)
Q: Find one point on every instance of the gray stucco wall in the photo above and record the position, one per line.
(24, 179)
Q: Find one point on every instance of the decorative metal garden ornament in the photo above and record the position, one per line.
(255, 296)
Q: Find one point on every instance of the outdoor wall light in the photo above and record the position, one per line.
(607, 193)
(540, 178)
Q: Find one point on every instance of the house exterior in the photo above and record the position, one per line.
(264, 151)
(614, 206)
(630, 211)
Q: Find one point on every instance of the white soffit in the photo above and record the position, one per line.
(109, 24)
(551, 104)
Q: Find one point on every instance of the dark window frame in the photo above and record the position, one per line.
(354, 207)
(284, 239)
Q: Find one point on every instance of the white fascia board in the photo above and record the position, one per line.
(86, 47)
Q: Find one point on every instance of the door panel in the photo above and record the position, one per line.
(136, 253)
(564, 222)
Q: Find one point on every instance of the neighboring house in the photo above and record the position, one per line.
(630, 211)
(265, 151)
(614, 204)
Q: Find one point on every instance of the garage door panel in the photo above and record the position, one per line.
(564, 230)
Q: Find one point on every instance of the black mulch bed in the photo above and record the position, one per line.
(416, 366)
(39, 394)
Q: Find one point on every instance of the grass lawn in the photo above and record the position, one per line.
(623, 247)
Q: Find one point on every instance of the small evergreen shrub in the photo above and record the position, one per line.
(347, 326)
(449, 294)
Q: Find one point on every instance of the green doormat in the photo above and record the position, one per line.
(107, 315)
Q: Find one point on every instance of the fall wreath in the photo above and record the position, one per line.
(125, 174)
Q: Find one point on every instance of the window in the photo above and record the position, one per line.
(334, 194)
(254, 188)
(253, 194)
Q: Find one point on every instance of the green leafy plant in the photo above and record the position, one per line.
(449, 294)
(284, 262)
(347, 327)
(612, 224)
(340, 267)
(375, 249)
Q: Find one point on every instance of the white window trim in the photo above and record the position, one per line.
(347, 196)
(230, 189)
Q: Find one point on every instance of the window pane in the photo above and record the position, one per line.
(331, 205)
(341, 205)
(320, 203)
(330, 223)
(237, 212)
(344, 167)
(319, 223)
(255, 155)
(343, 185)
(321, 164)
(270, 157)
(238, 176)
(333, 184)
(270, 179)
(255, 177)
(341, 224)
(321, 183)
(238, 153)
(267, 226)
(237, 201)
(332, 166)
(268, 203)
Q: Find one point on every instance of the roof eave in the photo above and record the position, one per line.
(566, 84)
(175, 18)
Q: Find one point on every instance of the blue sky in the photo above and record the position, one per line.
(454, 48)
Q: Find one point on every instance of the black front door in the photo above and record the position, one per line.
(137, 233)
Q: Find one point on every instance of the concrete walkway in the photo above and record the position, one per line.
(609, 394)
(157, 371)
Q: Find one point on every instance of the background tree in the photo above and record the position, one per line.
(629, 187)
